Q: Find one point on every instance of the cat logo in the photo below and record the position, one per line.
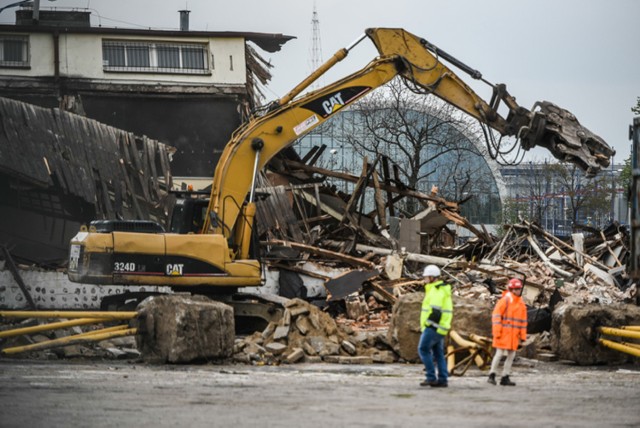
(175, 269)
(333, 104)
(330, 103)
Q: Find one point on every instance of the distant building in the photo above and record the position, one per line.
(538, 191)
(188, 89)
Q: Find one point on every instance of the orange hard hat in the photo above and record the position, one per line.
(514, 283)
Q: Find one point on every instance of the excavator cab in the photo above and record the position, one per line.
(188, 215)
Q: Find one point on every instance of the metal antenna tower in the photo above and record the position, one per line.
(316, 45)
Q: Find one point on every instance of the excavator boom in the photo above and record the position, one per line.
(401, 53)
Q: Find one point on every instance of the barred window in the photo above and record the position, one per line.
(14, 51)
(151, 57)
(168, 57)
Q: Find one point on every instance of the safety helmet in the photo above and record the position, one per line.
(432, 271)
(514, 284)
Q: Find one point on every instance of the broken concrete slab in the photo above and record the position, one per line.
(574, 332)
(404, 329)
(471, 316)
(184, 329)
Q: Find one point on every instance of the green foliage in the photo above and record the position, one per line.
(513, 210)
(587, 197)
(625, 174)
(636, 109)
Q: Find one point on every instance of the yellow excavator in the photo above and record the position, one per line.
(220, 255)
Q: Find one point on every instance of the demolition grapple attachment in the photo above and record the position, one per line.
(558, 130)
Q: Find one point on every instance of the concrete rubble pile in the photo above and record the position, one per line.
(315, 233)
(352, 277)
(307, 334)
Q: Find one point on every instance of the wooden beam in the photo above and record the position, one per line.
(360, 185)
(387, 181)
(353, 179)
(322, 252)
(380, 205)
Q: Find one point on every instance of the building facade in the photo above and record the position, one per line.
(187, 89)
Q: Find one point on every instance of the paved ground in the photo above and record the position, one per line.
(118, 394)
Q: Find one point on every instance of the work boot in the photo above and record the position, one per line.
(428, 383)
(439, 385)
(505, 381)
(492, 378)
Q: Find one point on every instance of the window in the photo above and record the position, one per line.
(151, 57)
(14, 51)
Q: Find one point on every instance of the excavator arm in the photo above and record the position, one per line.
(418, 62)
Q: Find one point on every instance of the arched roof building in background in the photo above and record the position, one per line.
(486, 183)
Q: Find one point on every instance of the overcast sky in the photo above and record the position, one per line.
(583, 55)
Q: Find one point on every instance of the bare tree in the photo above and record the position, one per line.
(586, 197)
(534, 186)
(428, 141)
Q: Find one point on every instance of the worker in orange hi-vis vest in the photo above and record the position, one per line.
(509, 327)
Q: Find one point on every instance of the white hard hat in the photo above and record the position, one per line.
(432, 271)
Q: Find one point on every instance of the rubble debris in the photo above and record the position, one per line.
(306, 333)
(333, 229)
(355, 286)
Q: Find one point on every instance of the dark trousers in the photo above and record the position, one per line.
(431, 347)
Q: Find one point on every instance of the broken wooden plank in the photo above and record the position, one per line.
(299, 270)
(546, 260)
(322, 252)
(389, 297)
(360, 185)
(387, 181)
(353, 179)
(564, 244)
(380, 205)
(422, 258)
(338, 216)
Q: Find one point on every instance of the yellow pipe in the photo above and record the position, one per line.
(102, 330)
(50, 326)
(72, 340)
(461, 341)
(476, 347)
(484, 341)
(633, 345)
(451, 357)
(620, 347)
(620, 332)
(631, 327)
(111, 315)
